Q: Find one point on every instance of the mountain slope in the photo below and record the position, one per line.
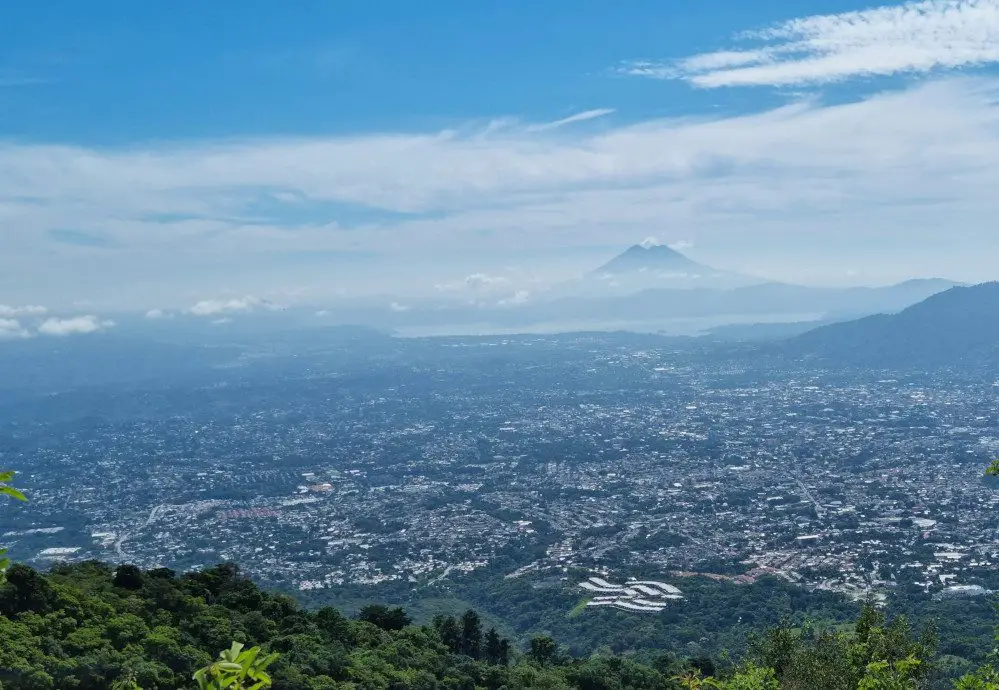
(958, 327)
(649, 266)
(656, 258)
(763, 300)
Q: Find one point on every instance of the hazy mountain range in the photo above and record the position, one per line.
(648, 287)
(956, 328)
(649, 266)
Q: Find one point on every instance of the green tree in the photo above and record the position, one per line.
(543, 650)
(471, 634)
(887, 675)
(128, 577)
(384, 617)
(493, 647)
(449, 632)
(986, 678)
(126, 682)
(506, 652)
(753, 678)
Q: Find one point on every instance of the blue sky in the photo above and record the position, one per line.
(156, 155)
(121, 73)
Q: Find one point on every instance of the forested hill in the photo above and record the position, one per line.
(87, 627)
(955, 328)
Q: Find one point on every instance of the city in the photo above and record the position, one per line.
(537, 455)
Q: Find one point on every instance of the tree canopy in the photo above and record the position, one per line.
(89, 626)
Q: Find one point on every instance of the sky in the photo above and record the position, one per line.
(162, 156)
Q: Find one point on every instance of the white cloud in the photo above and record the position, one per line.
(26, 310)
(914, 37)
(399, 308)
(649, 243)
(478, 281)
(517, 298)
(214, 307)
(680, 245)
(475, 282)
(896, 165)
(75, 325)
(11, 329)
(158, 314)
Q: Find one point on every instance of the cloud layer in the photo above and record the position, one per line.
(808, 174)
(27, 321)
(25, 310)
(11, 329)
(76, 325)
(230, 305)
(912, 37)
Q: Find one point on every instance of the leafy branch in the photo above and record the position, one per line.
(6, 477)
(235, 668)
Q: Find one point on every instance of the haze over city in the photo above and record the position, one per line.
(499, 345)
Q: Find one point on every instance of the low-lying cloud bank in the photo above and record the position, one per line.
(30, 323)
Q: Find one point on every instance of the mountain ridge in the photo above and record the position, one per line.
(959, 326)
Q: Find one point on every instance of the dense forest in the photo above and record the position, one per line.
(716, 618)
(87, 626)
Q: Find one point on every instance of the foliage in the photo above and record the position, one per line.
(714, 616)
(879, 654)
(89, 627)
(986, 678)
(237, 669)
(6, 476)
(384, 617)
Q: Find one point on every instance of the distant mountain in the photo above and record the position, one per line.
(678, 311)
(647, 288)
(650, 266)
(767, 299)
(656, 258)
(958, 327)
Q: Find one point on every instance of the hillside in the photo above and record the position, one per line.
(958, 327)
(86, 626)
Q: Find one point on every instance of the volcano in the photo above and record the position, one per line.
(652, 258)
(654, 266)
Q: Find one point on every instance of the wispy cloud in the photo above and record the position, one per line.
(230, 305)
(24, 310)
(475, 282)
(911, 37)
(201, 209)
(572, 119)
(80, 239)
(9, 79)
